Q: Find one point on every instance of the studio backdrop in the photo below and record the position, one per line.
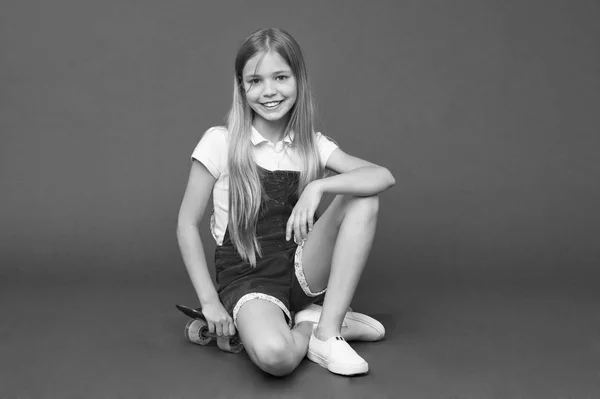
(485, 112)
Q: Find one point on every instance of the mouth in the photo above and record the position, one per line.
(271, 104)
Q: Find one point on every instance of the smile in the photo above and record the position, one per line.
(271, 104)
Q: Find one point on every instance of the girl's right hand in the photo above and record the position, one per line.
(218, 319)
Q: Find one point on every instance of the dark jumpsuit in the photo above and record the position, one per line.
(274, 274)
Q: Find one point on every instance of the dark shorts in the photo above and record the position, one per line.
(278, 276)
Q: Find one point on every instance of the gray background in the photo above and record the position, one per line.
(486, 112)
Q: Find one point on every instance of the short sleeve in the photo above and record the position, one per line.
(211, 151)
(325, 146)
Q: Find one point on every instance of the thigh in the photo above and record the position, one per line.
(317, 251)
(270, 280)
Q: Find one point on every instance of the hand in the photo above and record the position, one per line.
(218, 319)
(301, 220)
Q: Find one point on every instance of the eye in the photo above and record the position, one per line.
(281, 78)
(254, 81)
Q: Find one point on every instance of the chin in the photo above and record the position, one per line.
(273, 117)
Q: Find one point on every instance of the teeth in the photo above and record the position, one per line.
(271, 104)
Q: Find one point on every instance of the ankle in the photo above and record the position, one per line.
(323, 333)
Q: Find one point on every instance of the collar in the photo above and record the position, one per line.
(258, 138)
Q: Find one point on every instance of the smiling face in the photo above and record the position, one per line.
(270, 86)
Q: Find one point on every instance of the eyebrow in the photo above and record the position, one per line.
(273, 74)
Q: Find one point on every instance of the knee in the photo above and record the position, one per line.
(366, 207)
(274, 356)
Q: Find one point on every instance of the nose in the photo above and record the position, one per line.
(269, 88)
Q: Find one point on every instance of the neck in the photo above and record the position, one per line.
(273, 131)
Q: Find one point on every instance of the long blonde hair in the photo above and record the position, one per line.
(244, 177)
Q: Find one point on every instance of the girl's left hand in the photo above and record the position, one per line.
(301, 220)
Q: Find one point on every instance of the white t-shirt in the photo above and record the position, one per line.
(212, 152)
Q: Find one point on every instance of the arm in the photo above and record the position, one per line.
(193, 207)
(356, 177)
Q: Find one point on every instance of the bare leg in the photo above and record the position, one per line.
(268, 340)
(335, 254)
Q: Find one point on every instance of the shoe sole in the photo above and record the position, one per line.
(341, 369)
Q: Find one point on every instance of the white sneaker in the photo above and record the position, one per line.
(336, 355)
(355, 326)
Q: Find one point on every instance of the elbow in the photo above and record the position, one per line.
(183, 232)
(389, 178)
(179, 230)
(180, 224)
(183, 226)
(185, 223)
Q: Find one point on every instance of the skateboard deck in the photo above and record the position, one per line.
(196, 331)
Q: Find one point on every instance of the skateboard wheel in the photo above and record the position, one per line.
(230, 344)
(195, 332)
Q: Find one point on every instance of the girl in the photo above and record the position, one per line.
(265, 172)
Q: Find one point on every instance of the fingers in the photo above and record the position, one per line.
(288, 227)
(297, 236)
(303, 227)
(228, 327)
(293, 228)
(310, 222)
(219, 329)
(299, 224)
(222, 328)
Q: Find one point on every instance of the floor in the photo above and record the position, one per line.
(90, 336)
